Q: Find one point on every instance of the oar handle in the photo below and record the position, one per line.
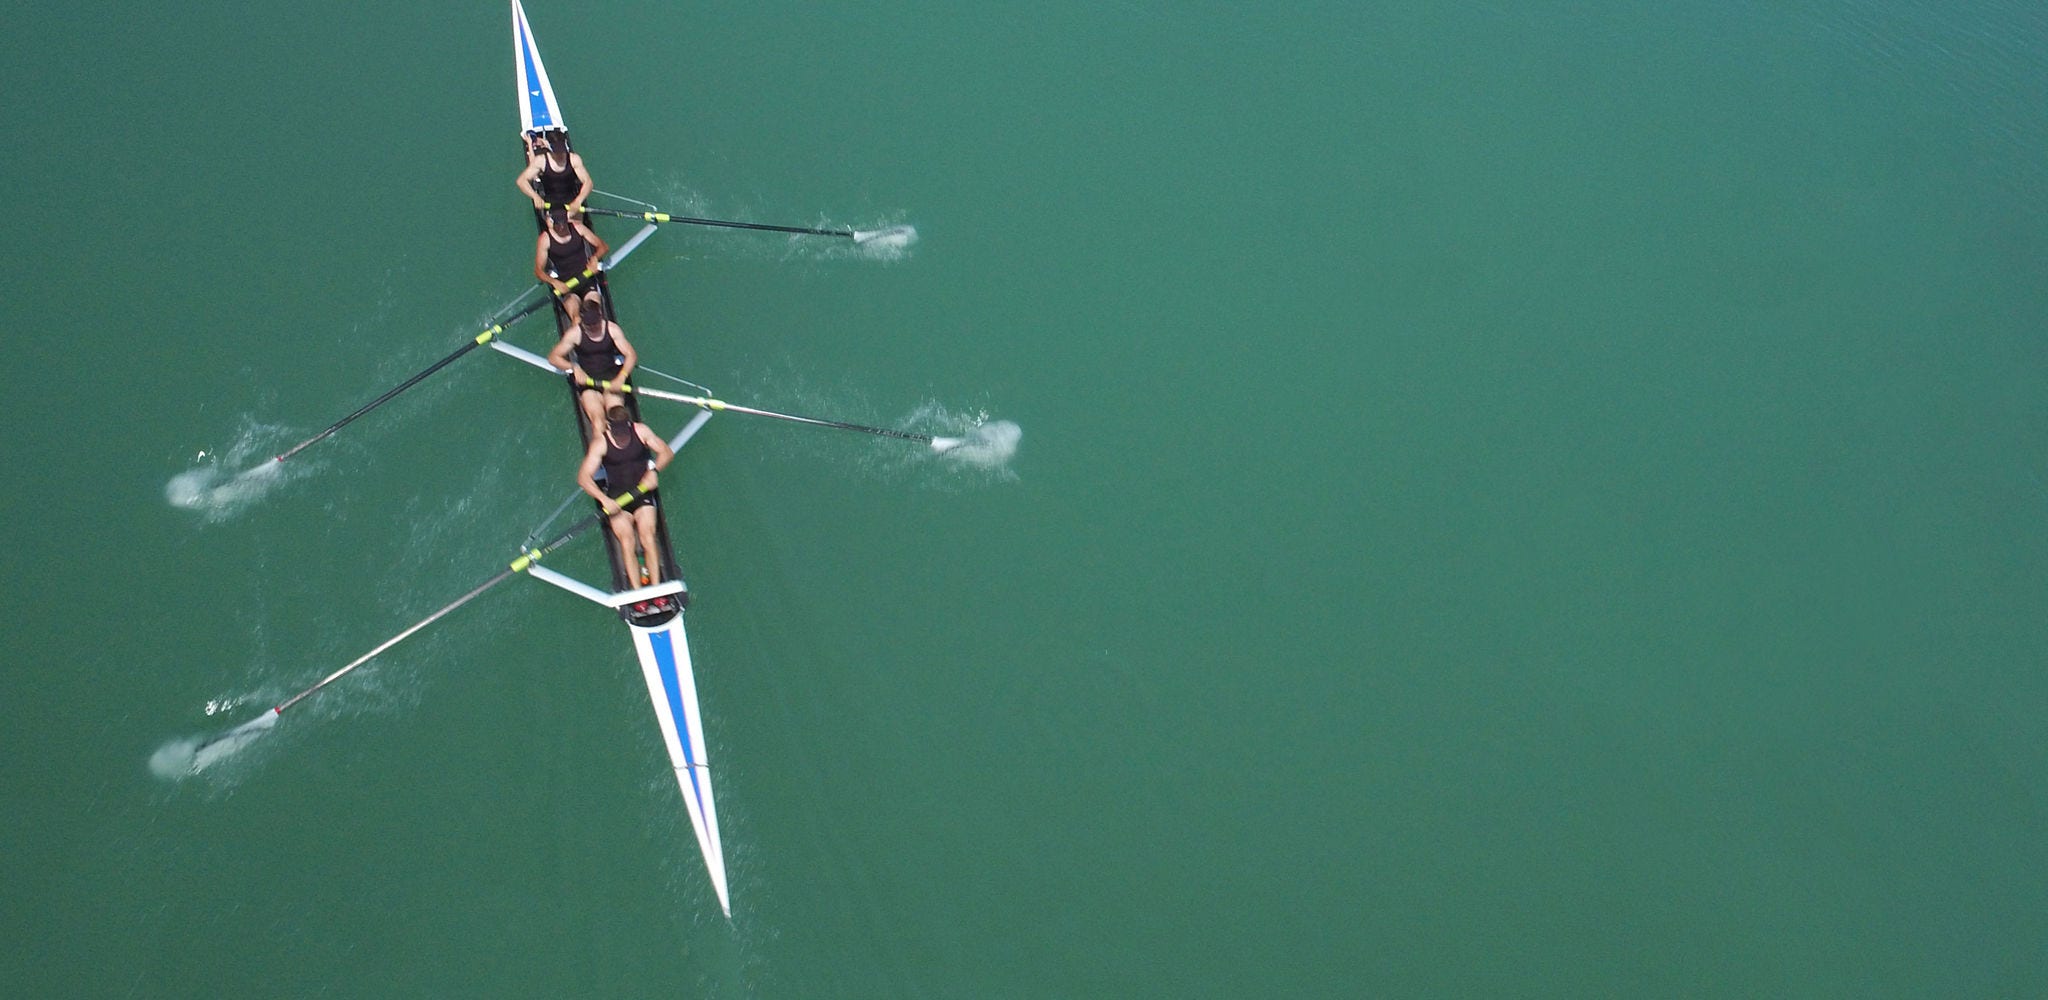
(721, 223)
(568, 286)
(608, 386)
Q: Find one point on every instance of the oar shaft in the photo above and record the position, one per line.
(502, 576)
(525, 561)
(478, 341)
(719, 404)
(385, 398)
(720, 223)
(715, 404)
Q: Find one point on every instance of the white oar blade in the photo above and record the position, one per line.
(989, 446)
(233, 740)
(183, 758)
(894, 236)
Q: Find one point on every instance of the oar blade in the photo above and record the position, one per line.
(893, 236)
(227, 744)
(185, 758)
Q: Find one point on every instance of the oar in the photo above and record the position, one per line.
(220, 746)
(856, 235)
(478, 341)
(939, 445)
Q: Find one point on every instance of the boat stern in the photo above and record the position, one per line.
(664, 652)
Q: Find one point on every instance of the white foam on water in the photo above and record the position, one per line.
(990, 446)
(217, 493)
(173, 760)
(982, 453)
(186, 757)
(892, 244)
(210, 753)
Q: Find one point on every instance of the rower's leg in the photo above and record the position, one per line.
(622, 529)
(593, 408)
(644, 519)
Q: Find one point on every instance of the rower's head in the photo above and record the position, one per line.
(592, 313)
(617, 416)
(558, 221)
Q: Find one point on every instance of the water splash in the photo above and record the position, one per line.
(173, 760)
(989, 446)
(970, 442)
(218, 493)
(219, 496)
(188, 756)
(890, 244)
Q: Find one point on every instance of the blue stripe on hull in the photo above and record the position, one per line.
(665, 662)
(536, 99)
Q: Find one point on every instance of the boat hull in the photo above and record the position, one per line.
(672, 687)
(537, 107)
(659, 639)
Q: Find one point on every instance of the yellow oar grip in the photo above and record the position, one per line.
(577, 280)
(485, 337)
(520, 564)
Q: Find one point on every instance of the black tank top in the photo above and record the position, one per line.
(624, 465)
(558, 187)
(568, 259)
(598, 358)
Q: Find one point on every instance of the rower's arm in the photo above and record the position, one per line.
(625, 351)
(540, 263)
(598, 247)
(576, 160)
(559, 357)
(526, 178)
(663, 454)
(586, 474)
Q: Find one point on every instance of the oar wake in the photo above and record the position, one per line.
(989, 444)
(215, 492)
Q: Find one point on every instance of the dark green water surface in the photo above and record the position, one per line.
(1514, 500)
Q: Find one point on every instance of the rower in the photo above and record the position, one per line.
(630, 455)
(554, 175)
(565, 250)
(593, 349)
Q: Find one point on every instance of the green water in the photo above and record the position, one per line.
(1515, 500)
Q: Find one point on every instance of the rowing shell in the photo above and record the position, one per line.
(654, 615)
